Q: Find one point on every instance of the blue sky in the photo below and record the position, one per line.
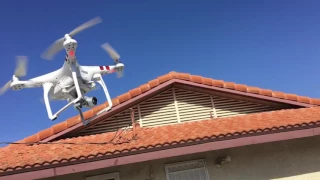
(269, 44)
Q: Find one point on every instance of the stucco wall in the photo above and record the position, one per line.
(293, 159)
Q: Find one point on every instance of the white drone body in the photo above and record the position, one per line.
(72, 81)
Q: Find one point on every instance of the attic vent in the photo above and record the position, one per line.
(177, 106)
(159, 110)
(112, 124)
(192, 105)
(225, 107)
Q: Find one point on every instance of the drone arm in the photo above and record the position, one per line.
(99, 79)
(46, 89)
(92, 70)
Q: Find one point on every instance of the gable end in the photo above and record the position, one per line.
(186, 81)
(177, 105)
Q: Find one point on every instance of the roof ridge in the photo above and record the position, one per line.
(156, 82)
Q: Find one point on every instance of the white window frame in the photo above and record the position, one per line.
(167, 166)
(114, 175)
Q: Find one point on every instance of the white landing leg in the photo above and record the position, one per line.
(46, 89)
(99, 79)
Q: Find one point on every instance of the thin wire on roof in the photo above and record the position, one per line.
(81, 143)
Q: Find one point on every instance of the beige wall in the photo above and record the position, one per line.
(293, 159)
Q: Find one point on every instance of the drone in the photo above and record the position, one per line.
(72, 81)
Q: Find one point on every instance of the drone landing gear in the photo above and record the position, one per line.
(78, 107)
(98, 78)
(78, 101)
(47, 88)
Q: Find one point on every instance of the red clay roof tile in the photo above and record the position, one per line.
(164, 78)
(20, 156)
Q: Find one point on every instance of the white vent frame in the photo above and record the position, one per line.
(183, 166)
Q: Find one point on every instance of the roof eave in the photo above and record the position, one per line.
(57, 169)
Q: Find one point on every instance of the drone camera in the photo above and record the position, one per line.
(91, 101)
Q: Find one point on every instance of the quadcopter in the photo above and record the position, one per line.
(72, 81)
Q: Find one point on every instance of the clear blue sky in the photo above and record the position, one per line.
(269, 44)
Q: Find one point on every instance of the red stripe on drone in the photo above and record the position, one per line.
(104, 68)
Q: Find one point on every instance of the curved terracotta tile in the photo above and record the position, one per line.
(31, 139)
(73, 121)
(183, 76)
(164, 78)
(59, 127)
(304, 99)
(135, 92)
(153, 83)
(98, 108)
(253, 90)
(173, 74)
(145, 87)
(229, 85)
(277, 94)
(124, 97)
(291, 97)
(207, 81)
(241, 87)
(217, 83)
(45, 133)
(266, 92)
(115, 102)
(315, 101)
(88, 114)
(196, 79)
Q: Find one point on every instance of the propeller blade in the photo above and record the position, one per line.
(21, 67)
(20, 71)
(86, 25)
(53, 49)
(112, 53)
(5, 87)
(58, 44)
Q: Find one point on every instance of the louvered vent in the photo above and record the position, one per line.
(121, 120)
(177, 106)
(159, 110)
(225, 107)
(192, 105)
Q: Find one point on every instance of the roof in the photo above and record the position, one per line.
(153, 84)
(17, 157)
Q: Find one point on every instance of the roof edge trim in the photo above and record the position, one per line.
(241, 93)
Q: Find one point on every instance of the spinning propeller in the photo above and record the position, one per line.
(114, 55)
(20, 71)
(58, 44)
